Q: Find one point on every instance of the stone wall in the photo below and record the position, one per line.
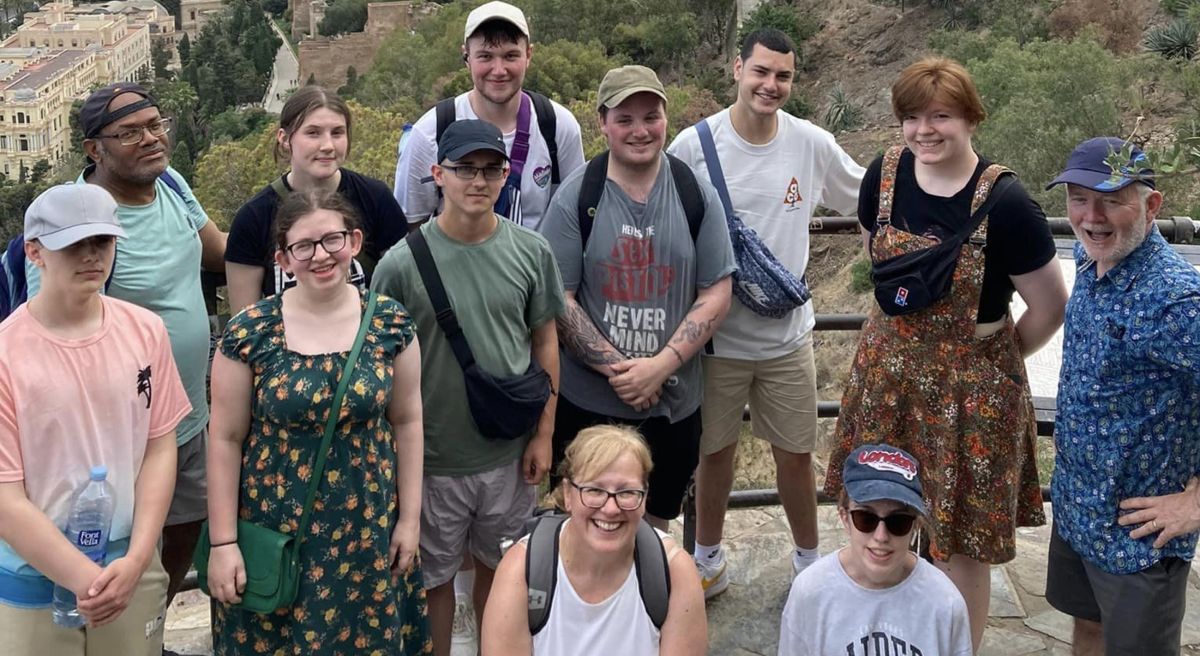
(326, 59)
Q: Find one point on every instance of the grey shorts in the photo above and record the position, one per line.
(1139, 613)
(473, 512)
(190, 503)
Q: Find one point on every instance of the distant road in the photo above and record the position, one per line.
(285, 75)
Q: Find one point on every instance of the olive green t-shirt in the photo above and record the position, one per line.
(501, 289)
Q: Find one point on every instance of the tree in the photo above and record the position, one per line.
(39, 171)
(160, 58)
(785, 18)
(184, 47)
(344, 16)
(1042, 100)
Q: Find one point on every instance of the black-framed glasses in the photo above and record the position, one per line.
(132, 135)
(898, 524)
(596, 497)
(330, 242)
(468, 172)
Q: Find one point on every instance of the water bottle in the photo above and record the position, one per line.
(87, 528)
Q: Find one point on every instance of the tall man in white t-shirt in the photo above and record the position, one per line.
(497, 51)
(778, 169)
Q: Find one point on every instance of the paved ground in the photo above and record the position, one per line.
(284, 76)
(744, 621)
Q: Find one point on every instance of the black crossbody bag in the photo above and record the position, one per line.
(914, 281)
(506, 408)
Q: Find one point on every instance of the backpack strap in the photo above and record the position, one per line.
(172, 184)
(689, 194)
(887, 184)
(548, 126)
(444, 111)
(653, 573)
(432, 280)
(589, 195)
(13, 286)
(592, 188)
(541, 569)
(279, 186)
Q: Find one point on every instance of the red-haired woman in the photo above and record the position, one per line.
(947, 382)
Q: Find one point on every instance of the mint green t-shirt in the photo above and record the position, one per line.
(501, 290)
(158, 268)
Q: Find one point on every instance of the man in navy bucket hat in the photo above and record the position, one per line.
(875, 591)
(1126, 452)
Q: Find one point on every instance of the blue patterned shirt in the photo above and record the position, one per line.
(1128, 421)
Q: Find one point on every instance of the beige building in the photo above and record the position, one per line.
(140, 12)
(195, 14)
(37, 89)
(122, 48)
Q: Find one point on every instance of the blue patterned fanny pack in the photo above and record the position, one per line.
(761, 282)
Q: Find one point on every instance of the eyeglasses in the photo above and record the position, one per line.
(898, 524)
(596, 497)
(305, 249)
(132, 135)
(467, 172)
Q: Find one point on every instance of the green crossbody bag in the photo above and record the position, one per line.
(272, 559)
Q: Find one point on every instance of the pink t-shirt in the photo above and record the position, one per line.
(66, 405)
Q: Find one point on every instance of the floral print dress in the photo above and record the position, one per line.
(959, 403)
(347, 603)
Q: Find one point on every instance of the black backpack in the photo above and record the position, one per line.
(593, 187)
(541, 570)
(547, 125)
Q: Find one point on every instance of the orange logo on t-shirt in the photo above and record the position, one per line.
(793, 193)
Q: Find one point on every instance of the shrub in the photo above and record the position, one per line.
(1175, 40)
(860, 276)
(1116, 23)
(842, 114)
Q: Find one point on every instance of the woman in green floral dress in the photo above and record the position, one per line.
(274, 377)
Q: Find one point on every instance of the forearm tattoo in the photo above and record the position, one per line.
(583, 340)
(690, 330)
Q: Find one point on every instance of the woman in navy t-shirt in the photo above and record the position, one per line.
(314, 136)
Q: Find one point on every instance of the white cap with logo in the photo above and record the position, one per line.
(495, 10)
(65, 214)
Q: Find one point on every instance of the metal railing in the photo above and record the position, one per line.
(1176, 230)
(1180, 230)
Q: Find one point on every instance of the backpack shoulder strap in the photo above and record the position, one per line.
(589, 195)
(172, 183)
(13, 286)
(689, 194)
(887, 184)
(653, 573)
(541, 569)
(446, 318)
(444, 111)
(279, 187)
(548, 126)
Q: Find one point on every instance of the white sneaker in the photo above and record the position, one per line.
(799, 564)
(714, 578)
(464, 636)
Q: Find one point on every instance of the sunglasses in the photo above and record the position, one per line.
(898, 524)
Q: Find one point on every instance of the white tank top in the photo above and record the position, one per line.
(617, 625)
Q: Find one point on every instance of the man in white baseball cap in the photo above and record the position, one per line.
(541, 136)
